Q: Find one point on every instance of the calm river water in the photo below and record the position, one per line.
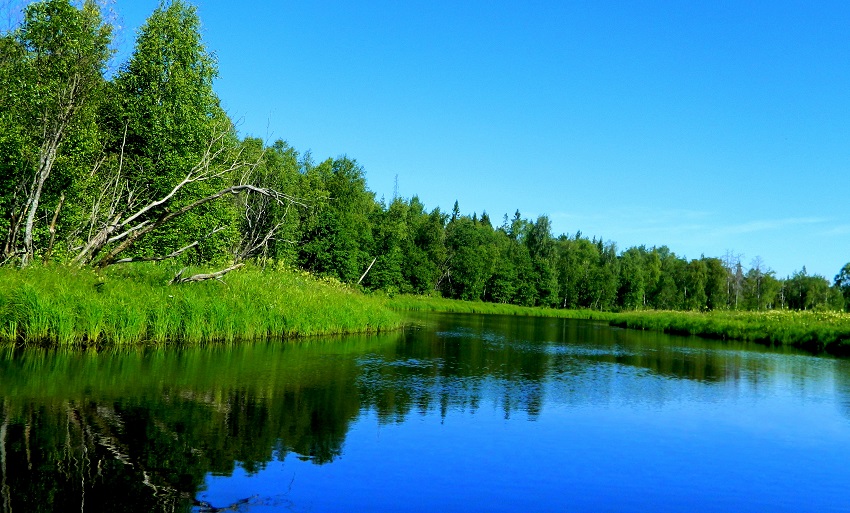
(461, 413)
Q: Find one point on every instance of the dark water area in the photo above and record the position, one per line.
(457, 413)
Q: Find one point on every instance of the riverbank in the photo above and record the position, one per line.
(813, 331)
(134, 304)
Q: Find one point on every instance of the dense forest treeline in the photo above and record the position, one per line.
(102, 169)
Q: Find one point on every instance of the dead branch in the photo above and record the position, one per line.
(126, 220)
(251, 247)
(166, 216)
(367, 270)
(178, 278)
(119, 204)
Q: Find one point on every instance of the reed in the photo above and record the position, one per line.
(134, 305)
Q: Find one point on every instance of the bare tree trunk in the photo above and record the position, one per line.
(54, 132)
(367, 270)
(12, 235)
(45, 165)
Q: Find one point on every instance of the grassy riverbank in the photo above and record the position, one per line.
(814, 331)
(133, 304)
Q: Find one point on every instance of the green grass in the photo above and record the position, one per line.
(814, 331)
(133, 304)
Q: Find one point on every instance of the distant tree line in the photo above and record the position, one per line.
(143, 164)
(521, 262)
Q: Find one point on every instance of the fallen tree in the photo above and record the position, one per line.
(119, 220)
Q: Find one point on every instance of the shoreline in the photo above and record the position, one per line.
(60, 306)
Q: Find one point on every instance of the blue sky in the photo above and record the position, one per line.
(704, 126)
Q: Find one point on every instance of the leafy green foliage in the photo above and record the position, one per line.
(167, 117)
(51, 87)
(842, 282)
(336, 240)
(138, 136)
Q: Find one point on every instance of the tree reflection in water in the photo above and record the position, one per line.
(140, 430)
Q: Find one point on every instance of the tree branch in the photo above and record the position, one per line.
(167, 216)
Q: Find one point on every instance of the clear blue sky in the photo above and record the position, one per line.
(703, 126)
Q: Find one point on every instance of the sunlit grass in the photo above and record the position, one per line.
(816, 331)
(134, 305)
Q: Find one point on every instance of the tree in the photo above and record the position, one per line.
(632, 283)
(716, 284)
(734, 278)
(807, 292)
(470, 260)
(455, 212)
(605, 276)
(165, 117)
(668, 293)
(577, 262)
(338, 239)
(541, 249)
(391, 234)
(754, 279)
(501, 288)
(58, 55)
(842, 282)
(127, 221)
(425, 249)
(268, 227)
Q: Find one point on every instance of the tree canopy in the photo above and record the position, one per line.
(144, 165)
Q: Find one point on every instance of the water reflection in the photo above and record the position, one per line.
(141, 430)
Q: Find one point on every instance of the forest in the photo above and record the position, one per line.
(107, 167)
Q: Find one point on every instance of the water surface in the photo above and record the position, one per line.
(459, 413)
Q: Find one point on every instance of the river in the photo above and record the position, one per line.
(456, 413)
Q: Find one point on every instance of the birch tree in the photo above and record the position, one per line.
(58, 55)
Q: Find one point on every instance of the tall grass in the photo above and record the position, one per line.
(815, 331)
(133, 304)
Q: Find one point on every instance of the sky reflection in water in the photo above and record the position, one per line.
(591, 420)
(466, 413)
